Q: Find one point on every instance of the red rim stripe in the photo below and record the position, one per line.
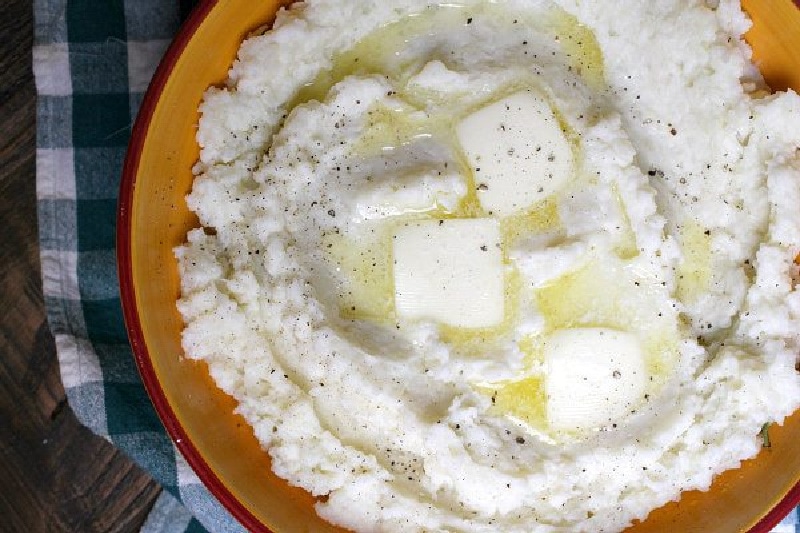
(131, 315)
(127, 289)
(782, 508)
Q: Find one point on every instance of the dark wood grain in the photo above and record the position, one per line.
(55, 475)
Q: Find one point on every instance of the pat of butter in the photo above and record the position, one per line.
(450, 271)
(593, 377)
(518, 152)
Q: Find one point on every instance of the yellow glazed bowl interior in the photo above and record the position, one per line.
(220, 446)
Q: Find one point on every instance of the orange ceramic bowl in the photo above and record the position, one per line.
(220, 447)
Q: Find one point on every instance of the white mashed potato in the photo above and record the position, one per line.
(498, 266)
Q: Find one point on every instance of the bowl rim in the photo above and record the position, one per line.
(130, 311)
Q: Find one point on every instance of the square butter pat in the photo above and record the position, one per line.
(518, 152)
(450, 271)
(594, 377)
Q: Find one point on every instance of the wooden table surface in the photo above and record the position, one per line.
(55, 475)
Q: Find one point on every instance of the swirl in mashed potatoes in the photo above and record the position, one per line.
(498, 266)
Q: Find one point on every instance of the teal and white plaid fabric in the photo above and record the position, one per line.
(93, 60)
(790, 524)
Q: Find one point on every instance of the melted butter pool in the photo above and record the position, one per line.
(599, 295)
(594, 295)
(400, 49)
(694, 272)
(523, 400)
(365, 288)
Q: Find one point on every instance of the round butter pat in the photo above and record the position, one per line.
(594, 377)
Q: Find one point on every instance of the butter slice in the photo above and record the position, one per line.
(594, 377)
(518, 152)
(450, 271)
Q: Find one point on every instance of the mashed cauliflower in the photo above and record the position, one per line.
(524, 265)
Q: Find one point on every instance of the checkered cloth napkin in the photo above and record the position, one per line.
(93, 60)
